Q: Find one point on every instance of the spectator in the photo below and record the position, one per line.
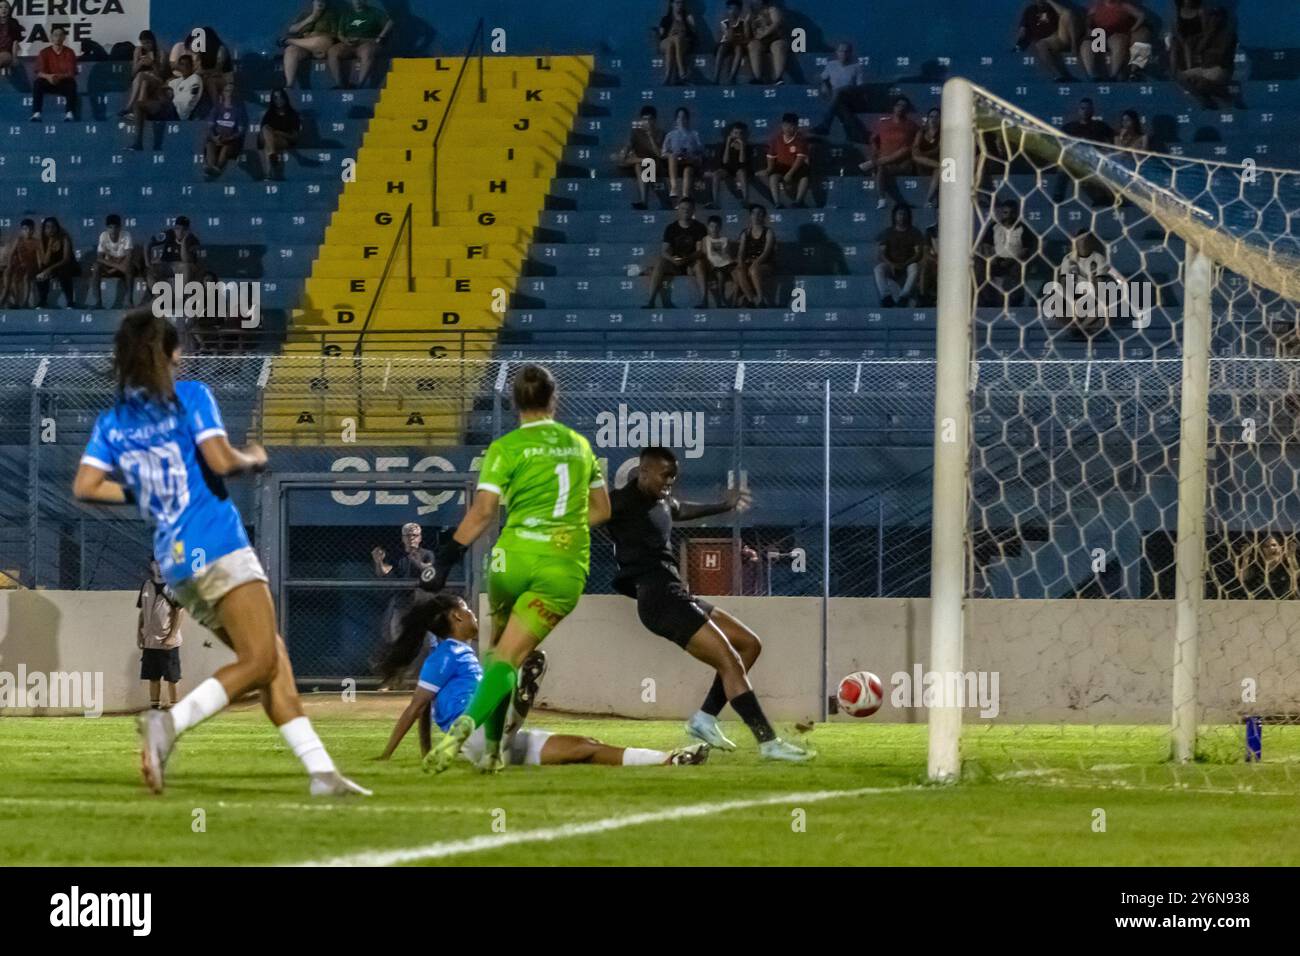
(175, 100)
(1268, 570)
(787, 162)
(56, 72)
(680, 255)
(844, 83)
(1048, 28)
(643, 144)
(928, 286)
(1190, 21)
(414, 558)
(56, 262)
(278, 134)
(1213, 58)
(212, 61)
(676, 42)
(1131, 133)
(310, 35)
(174, 251)
(361, 30)
(733, 41)
(755, 254)
(1088, 264)
(767, 34)
(889, 153)
(1127, 38)
(925, 153)
(114, 259)
(1086, 125)
(21, 266)
(718, 261)
(1005, 247)
(225, 134)
(158, 635)
(733, 164)
(685, 154)
(11, 34)
(148, 72)
(900, 247)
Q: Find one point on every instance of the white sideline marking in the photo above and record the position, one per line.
(446, 848)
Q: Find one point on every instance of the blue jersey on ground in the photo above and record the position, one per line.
(155, 447)
(451, 671)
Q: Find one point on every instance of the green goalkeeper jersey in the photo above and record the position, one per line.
(543, 471)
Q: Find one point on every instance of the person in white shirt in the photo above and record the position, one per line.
(1006, 247)
(115, 257)
(844, 83)
(158, 635)
(174, 100)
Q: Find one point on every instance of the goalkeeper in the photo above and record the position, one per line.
(551, 485)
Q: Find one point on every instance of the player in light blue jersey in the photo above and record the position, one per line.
(167, 442)
(451, 674)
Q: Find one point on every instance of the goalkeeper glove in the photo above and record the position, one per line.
(434, 577)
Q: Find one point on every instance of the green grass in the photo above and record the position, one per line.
(71, 795)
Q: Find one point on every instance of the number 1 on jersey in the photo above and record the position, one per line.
(562, 502)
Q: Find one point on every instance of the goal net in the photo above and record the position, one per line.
(1117, 500)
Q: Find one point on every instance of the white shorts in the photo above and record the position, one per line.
(522, 747)
(201, 593)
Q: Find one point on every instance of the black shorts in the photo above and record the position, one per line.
(161, 664)
(666, 608)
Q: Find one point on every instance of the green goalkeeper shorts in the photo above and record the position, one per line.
(540, 589)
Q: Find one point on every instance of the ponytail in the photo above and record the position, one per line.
(424, 612)
(142, 355)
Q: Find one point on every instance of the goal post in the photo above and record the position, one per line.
(1116, 484)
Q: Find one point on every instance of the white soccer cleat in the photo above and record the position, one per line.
(334, 784)
(778, 749)
(157, 736)
(704, 728)
(688, 756)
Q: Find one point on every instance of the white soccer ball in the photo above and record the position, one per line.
(860, 694)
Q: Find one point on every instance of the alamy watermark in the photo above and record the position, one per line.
(923, 688)
(212, 299)
(55, 690)
(628, 429)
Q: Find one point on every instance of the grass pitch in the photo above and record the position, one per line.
(71, 795)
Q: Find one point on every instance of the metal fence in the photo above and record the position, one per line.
(836, 455)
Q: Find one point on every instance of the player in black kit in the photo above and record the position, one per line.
(642, 526)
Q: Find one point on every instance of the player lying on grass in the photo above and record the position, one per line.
(451, 674)
(552, 488)
(642, 529)
(167, 441)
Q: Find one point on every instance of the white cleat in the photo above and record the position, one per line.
(688, 756)
(778, 749)
(704, 727)
(334, 784)
(157, 736)
(491, 762)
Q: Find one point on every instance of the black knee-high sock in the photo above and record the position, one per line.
(751, 712)
(715, 699)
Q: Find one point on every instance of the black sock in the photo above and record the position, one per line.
(751, 712)
(715, 699)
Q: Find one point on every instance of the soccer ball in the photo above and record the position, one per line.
(860, 694)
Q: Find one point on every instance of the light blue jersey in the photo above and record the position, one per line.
(451, 671)
(155, 447)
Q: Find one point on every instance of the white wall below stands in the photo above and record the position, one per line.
(1073, 661)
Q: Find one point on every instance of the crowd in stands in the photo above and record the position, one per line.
(1110, 40)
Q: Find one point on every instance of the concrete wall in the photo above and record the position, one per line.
(1071, 661)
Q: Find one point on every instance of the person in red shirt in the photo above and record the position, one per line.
(787, 162)
(56, 72)
(1126, 31)
(889, 154)
(11, 34)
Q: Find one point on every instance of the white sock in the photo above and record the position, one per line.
(640, 757)
(306, 746)
(199, 704)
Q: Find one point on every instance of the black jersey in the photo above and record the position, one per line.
(642, 530)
